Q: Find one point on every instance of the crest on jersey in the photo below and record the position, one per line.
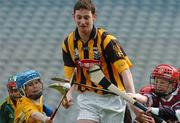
(118, 51)
(76, 53)
(96, 53)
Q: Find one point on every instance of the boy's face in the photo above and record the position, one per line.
(84, 20)
(33, 89)
(14, 93)
(162, 86)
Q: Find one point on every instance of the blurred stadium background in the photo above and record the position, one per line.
(31, 32)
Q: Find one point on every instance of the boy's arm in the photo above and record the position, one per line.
(47, 109)
(128, 81)
(166, 113)
(68, 101)
(139, 97)
(37, 116)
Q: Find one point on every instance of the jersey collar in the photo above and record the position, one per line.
(93, 34)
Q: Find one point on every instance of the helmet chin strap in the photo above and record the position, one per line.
(164, 94)
(35, 96)
(160, 94)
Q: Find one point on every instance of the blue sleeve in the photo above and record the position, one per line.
(47, 109)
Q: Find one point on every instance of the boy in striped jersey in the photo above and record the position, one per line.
(88, 46)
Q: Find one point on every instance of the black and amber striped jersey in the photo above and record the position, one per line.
(100, 46)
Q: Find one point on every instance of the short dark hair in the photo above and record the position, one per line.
(85, 4)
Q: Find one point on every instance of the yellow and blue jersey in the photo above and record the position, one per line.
(25, 107)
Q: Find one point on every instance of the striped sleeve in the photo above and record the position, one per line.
(116, 55)
(69, 64)
(66, 54)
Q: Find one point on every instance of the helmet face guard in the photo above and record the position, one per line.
(35, 94)
(167, 74)
(11, 84)
(24, 78)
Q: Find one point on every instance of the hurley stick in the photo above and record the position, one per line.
(64, 96)
(98, 77)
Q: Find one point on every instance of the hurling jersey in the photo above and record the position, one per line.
(173, 101)
(7, 111)
(25, 107)
(169, 106)
(100, 46)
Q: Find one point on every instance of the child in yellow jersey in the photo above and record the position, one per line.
(30, 106)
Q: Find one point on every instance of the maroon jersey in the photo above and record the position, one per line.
(167, 107)
(173, 102)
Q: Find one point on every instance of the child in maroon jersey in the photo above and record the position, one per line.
(163, 97)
